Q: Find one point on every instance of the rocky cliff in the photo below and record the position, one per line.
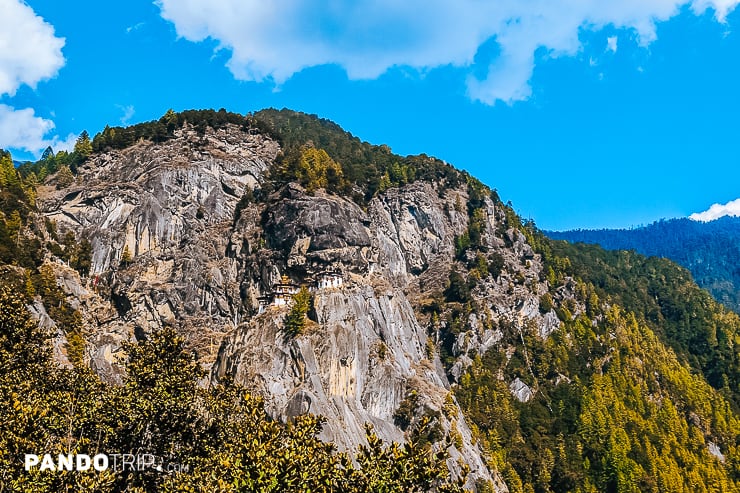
(189, 233)
(158, 217)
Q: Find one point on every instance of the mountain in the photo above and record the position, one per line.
(198, 286)
(710, 250)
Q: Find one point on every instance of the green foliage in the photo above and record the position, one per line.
(69, 320)
(366, 169)
(462, 243)
(77, 253)
(314, 169)
(23, 345)
(457, 288)
(481, 266)
(222, 434)
(404, 415)
(296, 319)
(703, 333)
(476, 228)
(81, 257)
(605, 379)
(495, 264)
(474, 236)
(126, 257)
(64, 162)
(83, 145)
(613, 409)
(638, 443)
(76, 345)
(16, 202)
(163, 129)
(9, 177)
(546, 303)
(708, 249)
(631, 417)
(400, 468)
(449, 408)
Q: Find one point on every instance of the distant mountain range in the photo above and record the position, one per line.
(710, 250)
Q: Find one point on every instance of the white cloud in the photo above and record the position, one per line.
(716, 211)
(276, 39)
(23, 130)
(611, 44)
(29, 53)
(29, 50)
(66, 144)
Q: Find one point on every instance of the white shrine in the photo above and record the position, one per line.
(281, 295)
(329, 280)
(283, 291)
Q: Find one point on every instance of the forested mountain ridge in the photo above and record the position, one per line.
(710, 250)
(155, 254)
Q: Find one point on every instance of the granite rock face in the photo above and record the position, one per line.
(169, 207)
(173, 243)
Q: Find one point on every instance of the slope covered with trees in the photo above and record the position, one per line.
(366, 169)
(709, 250)
(637, 390)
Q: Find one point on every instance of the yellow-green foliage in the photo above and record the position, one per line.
(83, 145)
(295, 320)
(632, 418)
(222, 434)
(317, 170)
(366, 169)
(75, 341)
(8, 174)
(64, 177)
(640, 436)
(125, 256)
(449, 408)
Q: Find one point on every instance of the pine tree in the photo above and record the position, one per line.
(83, 145)
(125, 256)
(30, 291)
(64, 177)
(295, 320)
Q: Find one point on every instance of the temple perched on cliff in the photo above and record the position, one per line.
(329, 279)
(283, 291)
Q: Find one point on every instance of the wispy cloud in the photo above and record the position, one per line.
(65, 144)
(611, 44)
(716, 211)
(135, 27)
(274, 40)
(128, 113)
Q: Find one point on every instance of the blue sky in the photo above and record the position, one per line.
(583, 114)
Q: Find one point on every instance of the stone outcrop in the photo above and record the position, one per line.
(170, 208)
(173, 245)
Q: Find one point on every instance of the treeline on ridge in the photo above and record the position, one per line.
(708, 249)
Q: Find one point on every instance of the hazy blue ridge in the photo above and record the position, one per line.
(711, 250)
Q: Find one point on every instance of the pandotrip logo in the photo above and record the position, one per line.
(101, 462)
